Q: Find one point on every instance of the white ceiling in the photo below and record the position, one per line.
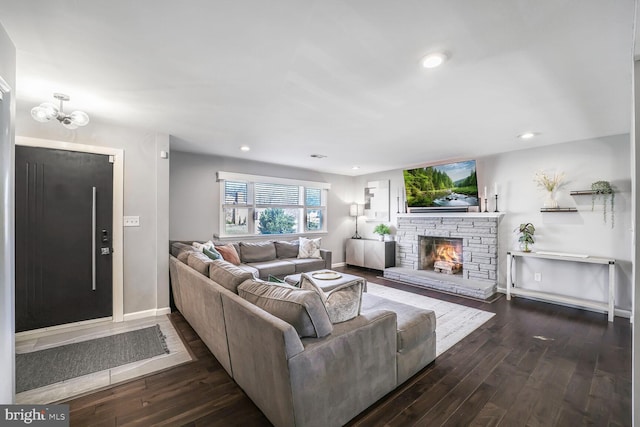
(290, 78)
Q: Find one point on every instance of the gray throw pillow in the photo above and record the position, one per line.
(343, 302)
(302, 309)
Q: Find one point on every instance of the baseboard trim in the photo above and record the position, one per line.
(617, 311)
(52, 330)
(339, 264)
(147, 313)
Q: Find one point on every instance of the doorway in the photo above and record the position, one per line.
(89, 287)
(63, 237)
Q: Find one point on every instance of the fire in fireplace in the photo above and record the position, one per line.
(441, 254)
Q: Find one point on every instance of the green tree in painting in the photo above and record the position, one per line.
(424, 185)
(276, 221)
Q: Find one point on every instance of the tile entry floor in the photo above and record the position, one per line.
(76, 386)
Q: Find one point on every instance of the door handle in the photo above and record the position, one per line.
(93, 240)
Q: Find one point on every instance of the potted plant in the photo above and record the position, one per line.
(526, 236)
(603, 189)
(382, 230)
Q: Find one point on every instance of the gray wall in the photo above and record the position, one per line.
(584, 232)
(146, 182)
(195, 196)
(7, 325)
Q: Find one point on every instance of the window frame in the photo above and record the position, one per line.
(252, 207)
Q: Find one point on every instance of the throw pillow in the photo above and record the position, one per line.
(302, 309)
(309, 248)
(275, 279)
(201, 246)
(211, 253)
(229, 253)
(342, 303)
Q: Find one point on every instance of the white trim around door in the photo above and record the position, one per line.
(118, 207)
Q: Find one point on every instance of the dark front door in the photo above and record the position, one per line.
(63, 237)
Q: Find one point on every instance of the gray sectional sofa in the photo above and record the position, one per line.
(276, 258)
(295, 380)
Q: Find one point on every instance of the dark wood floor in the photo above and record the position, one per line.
(532, 364)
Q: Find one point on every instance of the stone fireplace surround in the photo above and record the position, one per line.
(479, 233)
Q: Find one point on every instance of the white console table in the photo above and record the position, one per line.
(607, 306)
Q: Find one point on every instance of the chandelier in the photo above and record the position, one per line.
(47, 111)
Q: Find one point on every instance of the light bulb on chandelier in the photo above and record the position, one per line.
(47, 111)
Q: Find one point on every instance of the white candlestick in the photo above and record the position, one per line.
(485, 191)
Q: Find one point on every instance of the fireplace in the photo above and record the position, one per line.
(476, 249)
(440, 254)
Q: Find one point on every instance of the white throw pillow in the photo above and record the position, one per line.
(200, 246)
(342, 303)
(309, 248)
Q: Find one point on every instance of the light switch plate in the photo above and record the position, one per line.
(132, 221)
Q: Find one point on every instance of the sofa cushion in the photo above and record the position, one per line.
(184, 255)
(276, 267)
(178, 247)
(229, 253)
(257, 251)
(254, 271)
(228, 275)
(287, 249)
(415, 325)
(304, 265)
(309, 248)
(302, 309)
(343, 302)
(199, 262)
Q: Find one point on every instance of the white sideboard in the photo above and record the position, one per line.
(374, 254)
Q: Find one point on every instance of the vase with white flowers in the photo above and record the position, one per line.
(549, 183)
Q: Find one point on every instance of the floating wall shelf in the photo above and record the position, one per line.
(582, 193)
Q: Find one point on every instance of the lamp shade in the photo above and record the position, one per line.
(356, 209)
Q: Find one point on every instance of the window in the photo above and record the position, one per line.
(256, 206)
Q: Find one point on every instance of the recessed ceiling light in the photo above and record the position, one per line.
(434, 60)
(527, 135)
(355, 168)
(318, 156)
(245, 148)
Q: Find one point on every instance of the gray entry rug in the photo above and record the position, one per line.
(453, 321)
(52, 365)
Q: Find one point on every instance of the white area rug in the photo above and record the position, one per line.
(453, 321)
